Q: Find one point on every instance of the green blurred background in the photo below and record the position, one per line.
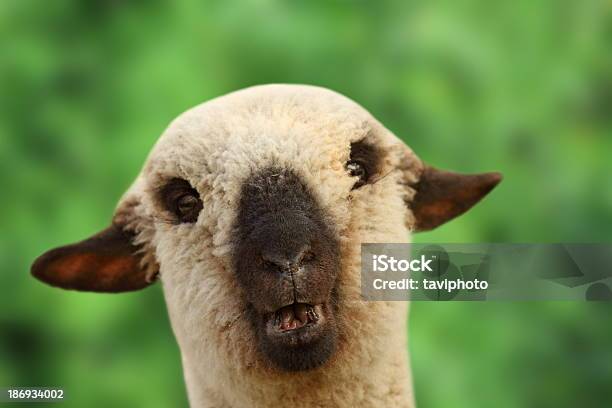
(523, 87)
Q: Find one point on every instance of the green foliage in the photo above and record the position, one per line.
(522, 87)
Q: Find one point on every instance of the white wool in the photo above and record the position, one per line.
(215, 146)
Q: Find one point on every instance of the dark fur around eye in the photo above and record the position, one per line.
(181, 199)
(365, 158)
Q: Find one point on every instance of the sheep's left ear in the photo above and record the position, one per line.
(443, 195)
(106, 262)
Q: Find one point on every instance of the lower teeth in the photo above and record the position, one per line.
(310, 316)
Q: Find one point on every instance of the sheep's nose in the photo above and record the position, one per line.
(288, 260)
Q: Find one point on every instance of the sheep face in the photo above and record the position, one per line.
(251, 208)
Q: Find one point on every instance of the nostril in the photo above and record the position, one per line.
(306, 257)
(267, 264)
(274, 264)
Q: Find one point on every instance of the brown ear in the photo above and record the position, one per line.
(443, 195)
(106, 262)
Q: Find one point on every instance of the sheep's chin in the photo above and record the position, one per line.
(298, 337)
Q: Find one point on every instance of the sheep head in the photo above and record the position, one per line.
(251, 208)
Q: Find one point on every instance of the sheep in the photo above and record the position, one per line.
(250, 210)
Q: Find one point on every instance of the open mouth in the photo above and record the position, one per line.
(297, 324)
(298, 336)
(296, 316)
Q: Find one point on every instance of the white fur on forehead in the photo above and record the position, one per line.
(216, 145)
(252, 126)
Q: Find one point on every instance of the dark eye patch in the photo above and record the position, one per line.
(364, 162)
(181, 199)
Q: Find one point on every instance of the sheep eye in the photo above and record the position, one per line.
(357, 169)
(179, 198)
(188, 207)
(364, 162)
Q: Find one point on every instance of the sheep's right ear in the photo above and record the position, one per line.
(107, 262)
